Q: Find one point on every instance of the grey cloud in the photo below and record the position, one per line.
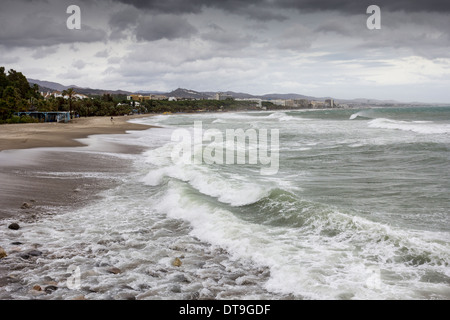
(227, 39)
(335, 26)
(296, 37)
(123, 20)
(43, 52)
(8, 60)
(170, 27)
(424, 34)
(259, 9)
(245, 7)
(102, 54)
(79, 64)
(37, 27)
(167, 6)
(360, 6)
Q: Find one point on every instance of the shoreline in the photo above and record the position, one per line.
(44, 172)
(38, 135)
(30, 153)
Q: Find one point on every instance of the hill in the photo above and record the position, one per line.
(52, 86)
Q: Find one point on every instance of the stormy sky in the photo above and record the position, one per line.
(317, 48)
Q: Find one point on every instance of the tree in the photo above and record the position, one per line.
(69, 93)
(19, 81)
(4, 82)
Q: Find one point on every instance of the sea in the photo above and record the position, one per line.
(356, 205)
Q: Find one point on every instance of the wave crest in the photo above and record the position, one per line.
(424, 127)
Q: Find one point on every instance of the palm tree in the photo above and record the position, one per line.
(69, 93)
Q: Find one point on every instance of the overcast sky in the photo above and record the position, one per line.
(317, 48)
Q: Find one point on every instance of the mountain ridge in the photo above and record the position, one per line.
(192, 94)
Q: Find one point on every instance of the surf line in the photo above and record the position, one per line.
(232, 150)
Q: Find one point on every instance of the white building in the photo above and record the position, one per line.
(257, 101)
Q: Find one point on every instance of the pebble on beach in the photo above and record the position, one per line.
(14, 226)
(50, 289)
(25, 205)
(2, 253)
(37, 288)
(177, 262)
(114, 270)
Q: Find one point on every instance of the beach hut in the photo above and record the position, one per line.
(52, 116)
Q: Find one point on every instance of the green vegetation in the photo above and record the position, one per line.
(16, 95)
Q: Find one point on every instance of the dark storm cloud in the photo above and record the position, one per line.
(258, 6)
(39, 23)
(164, 27)
(356, 7)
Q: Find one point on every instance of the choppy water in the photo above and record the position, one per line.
(358, 209)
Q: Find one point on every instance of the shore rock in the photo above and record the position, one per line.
(50, 289)
(114, 270)
(25, 205)
(14, 226)
(31, 253)
(177, 262)
(37, 288)
(2, 253)
(35, 253)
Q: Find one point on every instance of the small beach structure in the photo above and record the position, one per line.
(51, 116)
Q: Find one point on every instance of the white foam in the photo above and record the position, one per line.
(227, 190)
(307, 263)
(424, 127)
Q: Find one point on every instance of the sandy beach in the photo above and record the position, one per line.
(39, 179)
(34, 135)
(21, 180)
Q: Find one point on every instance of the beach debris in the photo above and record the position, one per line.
(37, 287)
(177, 262)
(35, 253)
(25, 205)
(50, 289)
(114, 270)
(2, 253)
(175, 289)
(31, 253)
(14, 226)
(181, 278)
(37, 290)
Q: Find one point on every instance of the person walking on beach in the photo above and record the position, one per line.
(112, 120)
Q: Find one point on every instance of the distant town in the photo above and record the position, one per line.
(257, 102)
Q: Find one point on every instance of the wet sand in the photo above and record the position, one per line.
(22, 172)
(26, 174)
